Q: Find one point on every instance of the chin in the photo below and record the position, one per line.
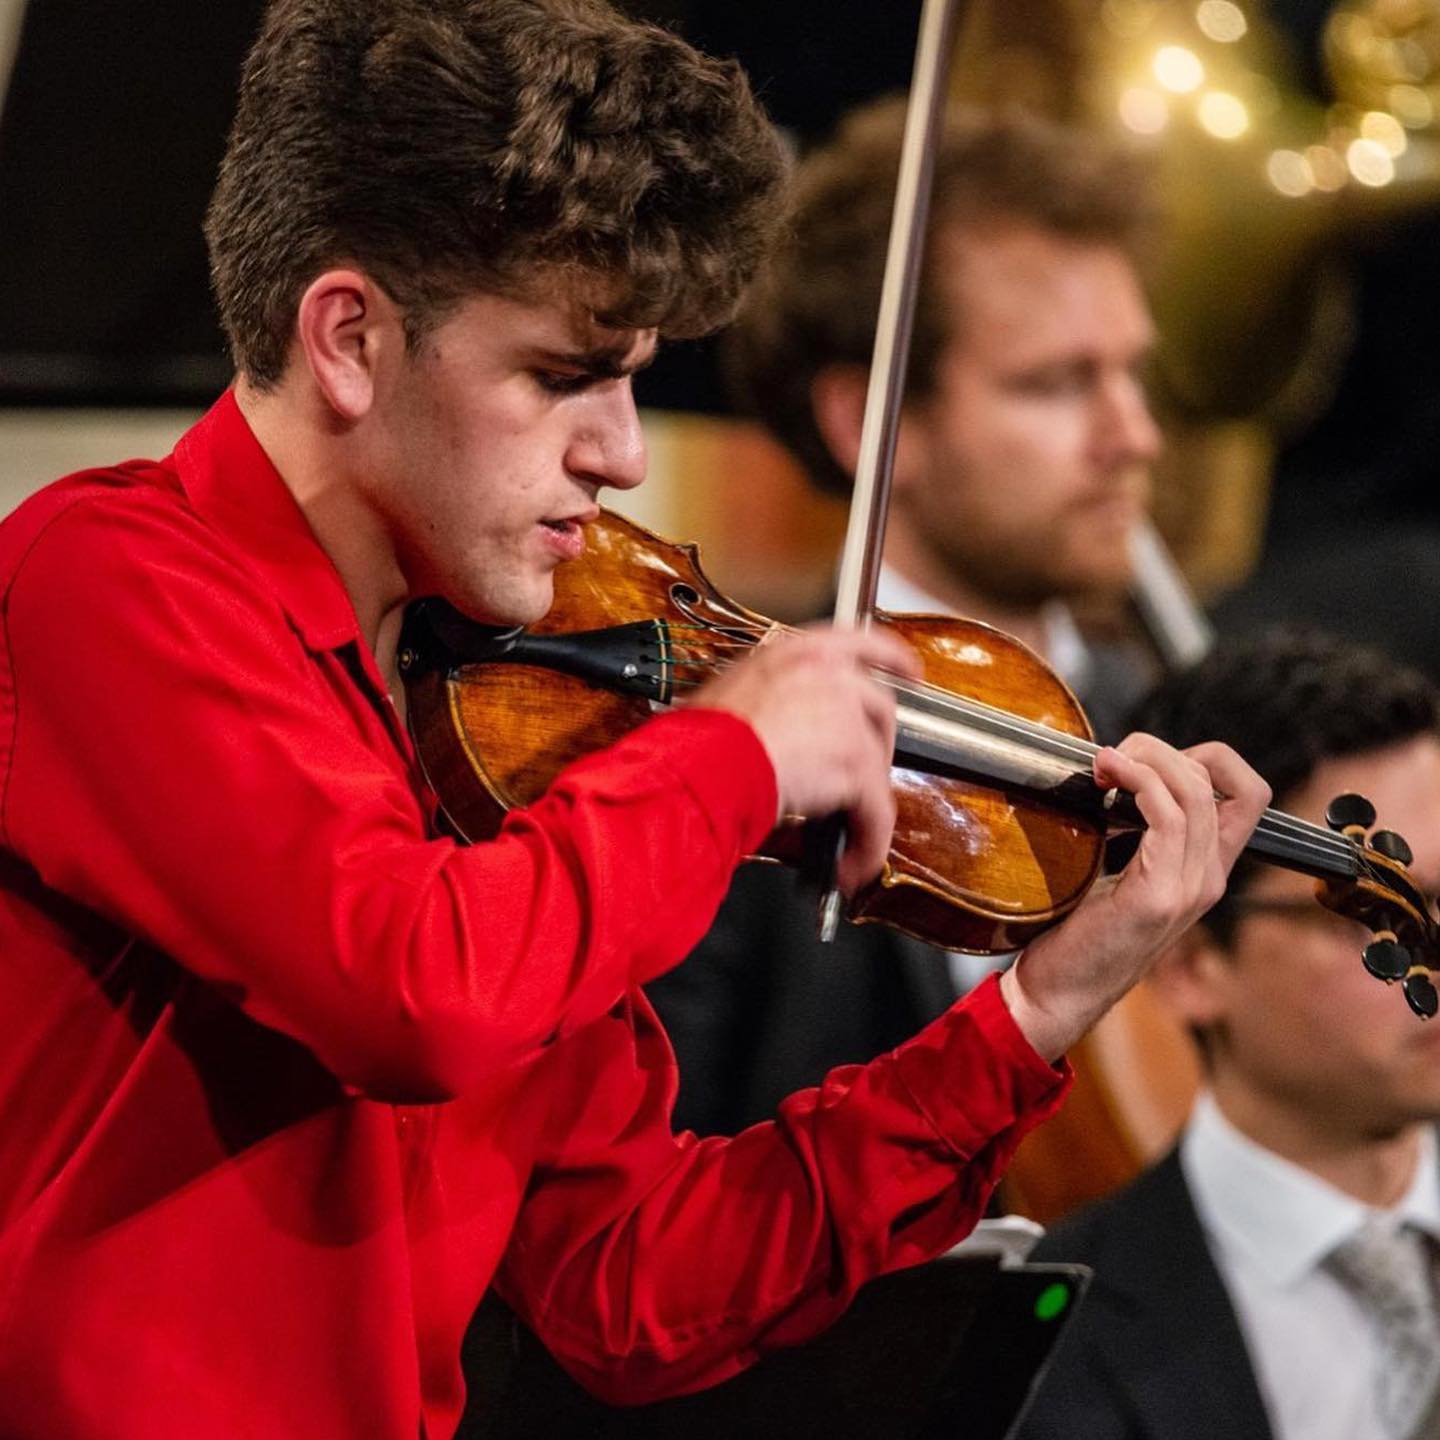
(506, 609)
(1094, 583)
(1104, 570)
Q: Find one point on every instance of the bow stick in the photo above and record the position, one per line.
(865, 532)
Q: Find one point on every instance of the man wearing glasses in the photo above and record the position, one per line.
(1272, 1277)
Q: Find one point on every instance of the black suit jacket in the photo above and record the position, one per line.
(1155, 1351)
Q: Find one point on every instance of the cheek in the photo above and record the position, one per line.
(1035, 448)
(480, 494)
(1321, 1013)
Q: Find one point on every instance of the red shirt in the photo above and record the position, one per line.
(288, 1080)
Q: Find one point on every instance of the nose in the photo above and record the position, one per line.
(1127, 432)
(608, 447)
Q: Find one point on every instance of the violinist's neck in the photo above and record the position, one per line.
(917, 567)
(318, 462)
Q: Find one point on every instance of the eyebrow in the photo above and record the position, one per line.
(1143, 354)
(605, 362)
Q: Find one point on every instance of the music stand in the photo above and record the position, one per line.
(955, 1347)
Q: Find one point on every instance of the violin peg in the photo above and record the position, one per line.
(1350, 813)
(1391, 846)
(1386, 960)
(1420, 992)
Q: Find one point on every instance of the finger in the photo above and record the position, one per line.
(870, 828)
(1202, 873)
(1244, 796)
(1186, 779)
(1161, 854)
(1154, 799)
(886, 650)
(870, 649)
(878, 708)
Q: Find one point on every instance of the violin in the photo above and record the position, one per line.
(1001, 828)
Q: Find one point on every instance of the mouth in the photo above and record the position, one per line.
(566, 533)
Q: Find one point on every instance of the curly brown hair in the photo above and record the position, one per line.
(815, 303)
(455, 146)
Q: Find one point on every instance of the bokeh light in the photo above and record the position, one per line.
(1223, 115)
(1178, 69)
(1289, 172)
(1385, 130)
(1370, 162)
(1412, 106)
(1221, 20)
(1144, 110)
(1327, 169)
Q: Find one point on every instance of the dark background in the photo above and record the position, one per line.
(112, 129)
(114, 120)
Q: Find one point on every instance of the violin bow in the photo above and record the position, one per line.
(869, 503)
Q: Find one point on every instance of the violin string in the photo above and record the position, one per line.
(1307, 839)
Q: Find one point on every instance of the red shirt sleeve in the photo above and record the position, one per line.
(178, 760)
(653, 1264)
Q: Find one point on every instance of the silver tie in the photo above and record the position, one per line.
(1389, 1271)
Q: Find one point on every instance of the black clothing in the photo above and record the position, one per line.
(1155, 1351)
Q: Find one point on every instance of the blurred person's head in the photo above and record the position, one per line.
(1303, 1047)
(1026, 439)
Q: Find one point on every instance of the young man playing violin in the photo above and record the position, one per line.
(293, 1079)
(1229, 1295)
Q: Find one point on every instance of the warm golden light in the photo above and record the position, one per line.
(1289, 172)
(1370, 162)
(1223, 115)
(1178, 69)
(1144, 110)
(1221, 20)
(1412, 106)
(1327, 169)
(1350, 33)
(1408, 59)
(1385, 130)
(1129, 19)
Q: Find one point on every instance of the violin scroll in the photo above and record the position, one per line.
(1383, 896)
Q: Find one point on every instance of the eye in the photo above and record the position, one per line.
(1054, 380)
(557, 382)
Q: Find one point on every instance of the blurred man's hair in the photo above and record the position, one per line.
(1288, 699)
(816, 302)
(449, 147)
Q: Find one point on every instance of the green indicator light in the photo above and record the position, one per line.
(1052, 1301)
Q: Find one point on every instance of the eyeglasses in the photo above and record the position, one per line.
(1311, 912)
(1297, 906)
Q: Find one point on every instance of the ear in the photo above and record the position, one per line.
(1195, 978)
(344, 326)
(837, 402)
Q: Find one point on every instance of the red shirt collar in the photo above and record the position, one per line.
(230, 481)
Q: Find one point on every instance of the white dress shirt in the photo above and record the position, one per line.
(1270, 1225)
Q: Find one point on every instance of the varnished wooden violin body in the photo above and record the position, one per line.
(496, 716)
